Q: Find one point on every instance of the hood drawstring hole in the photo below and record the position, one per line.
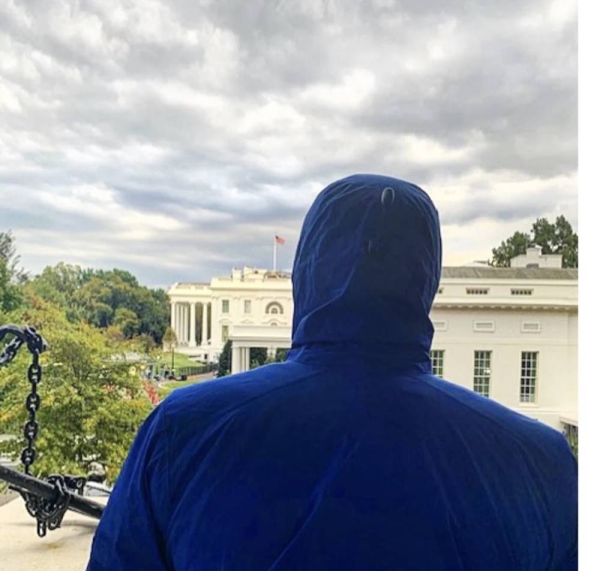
(387, 197)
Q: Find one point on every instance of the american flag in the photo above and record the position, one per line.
(279, 240)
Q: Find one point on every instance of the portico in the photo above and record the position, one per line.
(184, 321)
(203, 314)
(245, 337)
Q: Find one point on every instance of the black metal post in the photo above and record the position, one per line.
(45, 490)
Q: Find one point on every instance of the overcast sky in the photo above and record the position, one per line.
(175, 138)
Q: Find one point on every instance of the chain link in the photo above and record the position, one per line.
(10, 351)
(35, 345)
(48, 512)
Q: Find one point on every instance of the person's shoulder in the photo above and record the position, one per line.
(215, 397)
(481, 410)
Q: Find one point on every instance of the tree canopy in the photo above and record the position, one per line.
(554, 238)
(105, 298)
(93, 398)
(92, 401)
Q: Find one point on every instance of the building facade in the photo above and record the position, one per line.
(203, 315)
(507, 333)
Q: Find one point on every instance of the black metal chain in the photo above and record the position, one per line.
(49, 513)
(11, 350)
(36, 345)
(49, 510)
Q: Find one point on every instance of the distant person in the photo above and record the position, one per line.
(350, 455)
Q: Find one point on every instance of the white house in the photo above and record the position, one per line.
(508, 333)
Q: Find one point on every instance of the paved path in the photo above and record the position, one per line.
(64, 549)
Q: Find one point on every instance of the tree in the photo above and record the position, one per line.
(557, 238)
(281, 355)
(59, 285)
(514, 246)
(170, 339)
(8, 255)
(170, 342)
(92, 403)
(127, 321)
(11, 276)
(10, 294)
(258, 356)
(105, 298)
(224, 367)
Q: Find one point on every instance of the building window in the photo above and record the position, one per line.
(247, 306)
(482, 372)
(225, 333)
(521, 292)
(529, 366)
(224, 306)
(274, 308)
(437, 362)
(477, 291)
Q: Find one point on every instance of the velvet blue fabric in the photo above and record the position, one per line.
(351, 455)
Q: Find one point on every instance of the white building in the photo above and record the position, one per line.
(203, 315)
(509, 333)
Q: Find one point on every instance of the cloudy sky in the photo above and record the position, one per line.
(174, 138)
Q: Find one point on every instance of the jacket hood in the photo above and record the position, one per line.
(367, 267)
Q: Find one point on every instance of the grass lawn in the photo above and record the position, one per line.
(180, 360)
(166, 388)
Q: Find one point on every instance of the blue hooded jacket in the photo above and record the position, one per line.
(351, 455)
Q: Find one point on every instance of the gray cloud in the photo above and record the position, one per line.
(174, 138)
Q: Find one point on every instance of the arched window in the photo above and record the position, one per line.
(274, 308)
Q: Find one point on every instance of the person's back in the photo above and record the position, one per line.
(351, 454)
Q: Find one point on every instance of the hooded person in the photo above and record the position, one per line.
(351, 454)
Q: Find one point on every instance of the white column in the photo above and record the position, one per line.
(173, 305)
(205, 324)
(179, 323)
(215, 331)
(236, 354)
(186, 321)
(193, 341)
(245, 359)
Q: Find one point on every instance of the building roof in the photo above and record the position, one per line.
(490, 273)
(185, 284)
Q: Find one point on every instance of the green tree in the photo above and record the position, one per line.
(224, 367)
(8, 255)
(258, 356)
(127, 321)
(101, 297)
(10, 294)
(59, 285)
(11, 276)
(92, 402)
(514, 246)
(281, 355)
(556, 238)
(170, 339)
(169, 343)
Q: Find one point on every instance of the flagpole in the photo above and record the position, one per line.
(274, 254)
